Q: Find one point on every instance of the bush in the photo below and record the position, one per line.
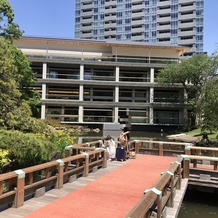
(26, 148)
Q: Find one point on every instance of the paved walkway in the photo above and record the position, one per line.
(110, 192)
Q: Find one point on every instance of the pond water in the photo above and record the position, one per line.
(143, 135)
(199, 205)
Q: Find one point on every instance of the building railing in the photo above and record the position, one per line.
(104, 59)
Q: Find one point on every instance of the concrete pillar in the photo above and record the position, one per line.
(44, 76)
(43, 111)
(151, 95)
(116, 115)
(117, 74)
(151, 115)
(81, 92)
(152, 75)
(81, 72)
(44, 70)
(80, 114)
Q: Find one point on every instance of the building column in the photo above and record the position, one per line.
(151, 115)
(152, 75)
(116, 109)
(81, 86)
(81, 73)
(151, 97)
(44, 75)
(81, 93)
(80, 114)
(62, 113)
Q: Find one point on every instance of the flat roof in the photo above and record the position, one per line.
(110, 43)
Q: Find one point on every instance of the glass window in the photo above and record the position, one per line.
(119, 22)
(128, 21)
(174, 15)
(199, 12)
(95, 17)
(153, 33)
(119, 14)
(199, 29)
(199, 38)
(174, 31)
(128, 5)
(102, 16)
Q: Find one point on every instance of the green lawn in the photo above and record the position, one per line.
(197, 133)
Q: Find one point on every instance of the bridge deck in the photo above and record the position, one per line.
(110, 192)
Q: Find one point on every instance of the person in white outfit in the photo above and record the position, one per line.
(110, 145)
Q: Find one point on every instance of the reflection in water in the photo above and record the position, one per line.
(143, 135)
(199, 205)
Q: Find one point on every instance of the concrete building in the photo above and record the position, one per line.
(103, 82)
(177, 22)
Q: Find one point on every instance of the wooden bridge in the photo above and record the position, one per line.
(143, 187)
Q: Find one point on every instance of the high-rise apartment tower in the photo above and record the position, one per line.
(175, 22)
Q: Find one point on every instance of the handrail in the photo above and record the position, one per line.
(195, 158)
(196, 150)
(156, 198)
(55, 171)
(153, 200)
(159, 147)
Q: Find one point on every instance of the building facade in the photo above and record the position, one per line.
(176, 22)
(98, 82)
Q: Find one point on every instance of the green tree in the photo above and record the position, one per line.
(8, 28)
(17, 98)
(195, 74)
(207, 104)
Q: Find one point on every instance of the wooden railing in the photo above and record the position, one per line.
(80, 159)
(161, 194)
(22, 184)
(201, 151)
(160, 148)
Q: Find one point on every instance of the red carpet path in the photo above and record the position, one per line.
(110, 196)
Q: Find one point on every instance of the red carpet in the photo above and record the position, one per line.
(110, 196)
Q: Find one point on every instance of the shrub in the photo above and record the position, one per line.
(26, 148)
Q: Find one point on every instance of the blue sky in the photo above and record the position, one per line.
(55, 18)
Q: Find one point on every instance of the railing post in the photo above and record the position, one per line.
(187, 149)
(67, 151)
(178, 185)
(86, 167)
(171, 202)
(186, 164)
(215, 165)
(158, 200)
(104, 159)
(137, 143)
(160, 148)
(19, 197)
(100, 143)
(60, 178)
